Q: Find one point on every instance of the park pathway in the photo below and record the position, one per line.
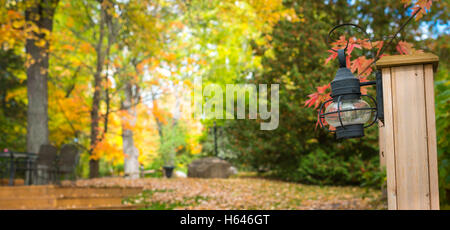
(188, 193)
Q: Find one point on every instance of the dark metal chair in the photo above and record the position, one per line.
(4, 167)
(44, 169)
(67, 162)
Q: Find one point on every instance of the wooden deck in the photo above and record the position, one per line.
(48, 197)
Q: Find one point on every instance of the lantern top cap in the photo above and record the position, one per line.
(412, 59)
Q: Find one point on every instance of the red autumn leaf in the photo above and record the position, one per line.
(406, 48)
(363, 89)
(324, 122)
(341, 43)
(348, 61)
(321, 89)
(378, 45)
(403, 47)
(312, 99)
(332, 56)
(355, 64)
(422, 5)
(352, 43)
(426, 4)
(318, 97)
(360, 64)
(365, 43)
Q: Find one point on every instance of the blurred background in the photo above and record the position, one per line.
(115, 77)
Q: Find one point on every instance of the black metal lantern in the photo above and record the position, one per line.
(347, 111)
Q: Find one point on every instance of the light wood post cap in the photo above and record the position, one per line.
(413, 59)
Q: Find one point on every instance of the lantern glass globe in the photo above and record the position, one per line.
(353, 111)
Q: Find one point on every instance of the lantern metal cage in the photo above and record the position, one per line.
(352, 130)
(350, 122)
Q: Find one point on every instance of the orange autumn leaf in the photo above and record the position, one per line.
(85, 47)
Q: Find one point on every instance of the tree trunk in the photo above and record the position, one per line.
(131, 163)
(40, 13)
(94, 163)
(95, 111)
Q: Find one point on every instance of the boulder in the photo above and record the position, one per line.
(209, 167)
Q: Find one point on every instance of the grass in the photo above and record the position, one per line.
(146, 199)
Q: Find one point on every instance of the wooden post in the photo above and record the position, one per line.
(382, 157)
(381, 144)
(409, 131)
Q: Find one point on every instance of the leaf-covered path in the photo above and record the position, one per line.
(241, 193)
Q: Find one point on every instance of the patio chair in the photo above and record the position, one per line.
(4, 170)
(67, 162)
(44, 171)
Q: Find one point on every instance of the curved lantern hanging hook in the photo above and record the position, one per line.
(371, 53)
(383, 48)
(348, 24)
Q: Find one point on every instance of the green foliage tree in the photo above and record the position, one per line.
(13, 108)
(442, 90)
(173, 139)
